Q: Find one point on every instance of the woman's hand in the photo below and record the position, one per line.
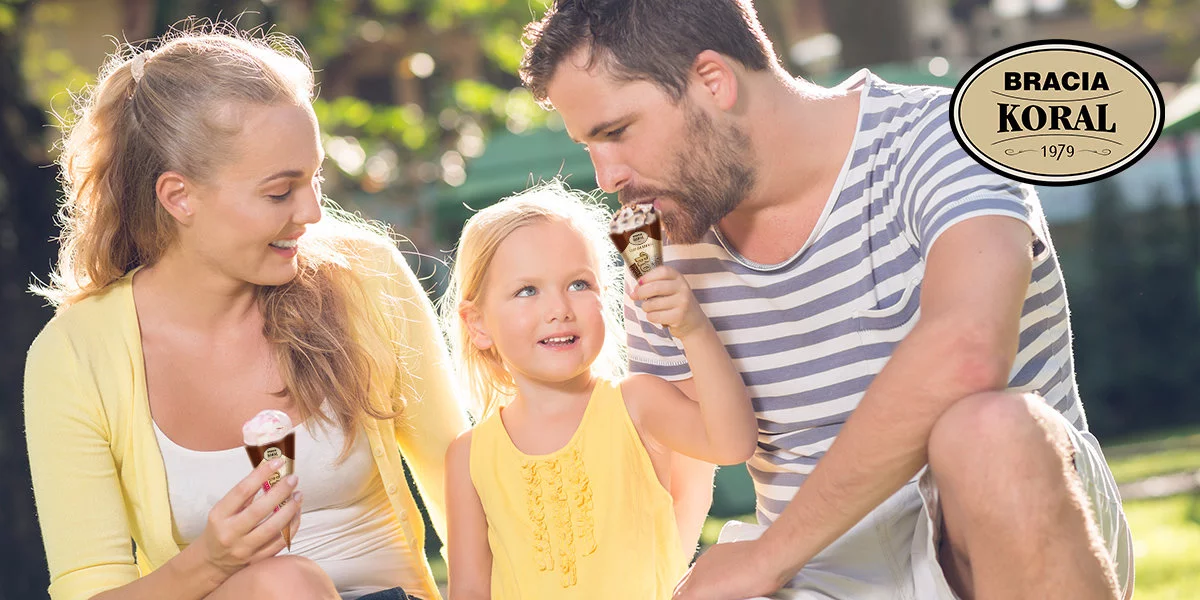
(668, 301)
(237, 534)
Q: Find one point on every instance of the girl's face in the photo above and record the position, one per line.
(248, 221)
(542, 306)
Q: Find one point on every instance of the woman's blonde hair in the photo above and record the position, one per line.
(482, 372)
(180, 113)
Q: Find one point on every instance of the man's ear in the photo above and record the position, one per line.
(717, 78)
(174, 193)
(473, 321)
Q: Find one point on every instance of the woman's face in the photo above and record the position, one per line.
(247, 222)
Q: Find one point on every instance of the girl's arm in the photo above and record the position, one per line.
(692, 495)
(470, 557)
(718, 425)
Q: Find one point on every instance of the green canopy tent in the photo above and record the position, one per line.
(510, 163)
(1183, 111)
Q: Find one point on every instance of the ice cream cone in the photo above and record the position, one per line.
(637, 232)
(269, 436)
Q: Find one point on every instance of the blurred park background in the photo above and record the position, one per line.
(424, 120)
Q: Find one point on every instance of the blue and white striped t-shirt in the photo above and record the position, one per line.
(810, 334)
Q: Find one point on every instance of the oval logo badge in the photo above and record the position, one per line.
(1056, 112)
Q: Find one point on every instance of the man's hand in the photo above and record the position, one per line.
(730, 571)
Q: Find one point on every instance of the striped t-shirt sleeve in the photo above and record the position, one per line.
(940, 185)
(651, 348)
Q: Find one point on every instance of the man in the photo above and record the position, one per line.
(896, 309)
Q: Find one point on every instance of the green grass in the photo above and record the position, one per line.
(1166, 543)
(1146, 455)
(1134, 468)
(438, 565)
(712, 527)
(1166, 531)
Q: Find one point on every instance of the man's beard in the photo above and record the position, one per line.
(713, 173)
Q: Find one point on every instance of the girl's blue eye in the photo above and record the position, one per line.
(526, 291)
(580, 285)
(616, 133)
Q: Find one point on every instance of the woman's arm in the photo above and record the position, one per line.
(434, 414)
(81, 508)
(718, 425)
(80, 505)
(242, 531)
(470, 557)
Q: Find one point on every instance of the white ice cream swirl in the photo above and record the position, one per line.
(633, 216)
(267, 426)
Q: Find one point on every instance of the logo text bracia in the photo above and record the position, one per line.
(1056, 112)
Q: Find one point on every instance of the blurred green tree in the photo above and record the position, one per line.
(1136, 316)
(27, 192)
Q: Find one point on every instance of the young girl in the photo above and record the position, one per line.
(563, 490)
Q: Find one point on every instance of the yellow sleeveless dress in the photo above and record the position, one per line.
(590, 520)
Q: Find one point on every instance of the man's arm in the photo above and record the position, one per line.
(964, 342)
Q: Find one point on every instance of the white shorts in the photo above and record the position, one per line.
(891, 554)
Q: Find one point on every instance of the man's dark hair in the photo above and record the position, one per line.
(648, 40)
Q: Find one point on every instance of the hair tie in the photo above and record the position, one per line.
(138, 67)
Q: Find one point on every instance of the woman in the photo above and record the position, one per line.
(201, 280)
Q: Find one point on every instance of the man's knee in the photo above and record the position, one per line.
(994, 430)
(291, 577)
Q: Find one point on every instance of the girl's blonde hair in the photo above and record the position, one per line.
(181, 114)
(482, 372)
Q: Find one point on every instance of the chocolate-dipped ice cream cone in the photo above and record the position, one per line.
(637, 231)
(268, 436)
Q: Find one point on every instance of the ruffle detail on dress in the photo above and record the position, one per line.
(582, 487)
(562, 525)
(537, 512)
(560, 486)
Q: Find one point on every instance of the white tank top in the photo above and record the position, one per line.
(347, 525)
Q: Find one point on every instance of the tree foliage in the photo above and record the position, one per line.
(1136, 316)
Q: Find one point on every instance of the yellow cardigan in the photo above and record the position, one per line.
(98, 476)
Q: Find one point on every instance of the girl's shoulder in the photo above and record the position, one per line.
(458, 453)
(484, 433)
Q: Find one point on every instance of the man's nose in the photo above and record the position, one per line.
(611, 173)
